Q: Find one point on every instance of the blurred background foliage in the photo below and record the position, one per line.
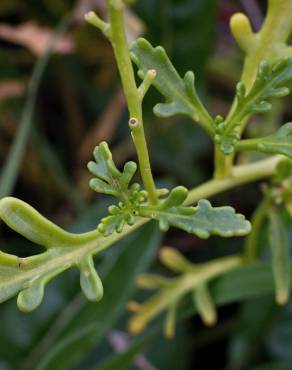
(59, 97)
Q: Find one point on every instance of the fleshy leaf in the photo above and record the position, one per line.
(169, 326)
(120, 216)
(90, 282)
(172, 291)
(205, 304)
(108, 179)
(31, 297)
(29, 223)
(175, 261)
(28, 277)
(271, 82)
(180, 93)
(203, 220)
(278, 143)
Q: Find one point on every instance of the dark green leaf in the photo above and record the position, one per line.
(252, 324)
(276, 365)
(280, 257)
(122, 361)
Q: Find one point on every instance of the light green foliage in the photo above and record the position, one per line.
(109, 180)
(281, 189)
(265, 76)
(180, 94)
(28, 277)
(271, 82)
(278, 143)
(202, 220)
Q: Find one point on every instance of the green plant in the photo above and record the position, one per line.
(266, 74)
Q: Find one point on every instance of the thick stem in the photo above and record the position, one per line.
(223, 164)
(122, 55)
(240, 175)
(271, 38)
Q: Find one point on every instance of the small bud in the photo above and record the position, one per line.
(242, 31)
(134, 307)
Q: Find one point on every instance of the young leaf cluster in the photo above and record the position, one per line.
(203, 220)
(109, 180)
(271, 82)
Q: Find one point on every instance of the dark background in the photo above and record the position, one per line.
(79, 103)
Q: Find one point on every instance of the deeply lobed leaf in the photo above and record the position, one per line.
(203, 220)
(180, 93)
(28, 277)
(278, 143)
(271, 82)
(109, 180)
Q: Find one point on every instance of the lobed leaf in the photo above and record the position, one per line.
(119, 217)
(203, 220)
(91, 323)
(108, 179)
(28, 277)
(271, 82)
(278, 143)
(180, 93)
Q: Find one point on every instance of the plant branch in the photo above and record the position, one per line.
(240, 175)
(121, 50)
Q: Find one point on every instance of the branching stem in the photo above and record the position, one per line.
(121, 50)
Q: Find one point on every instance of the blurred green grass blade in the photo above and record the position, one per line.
(277, 365)
(123, 361)
(10, 169)
(56, 170)
(279, 243)
(93, 322)
(252, 325)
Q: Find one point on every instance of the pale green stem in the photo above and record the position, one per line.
(223, 163)
(265, 45)
(122, 55)
(272, 36)
(240, 175)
